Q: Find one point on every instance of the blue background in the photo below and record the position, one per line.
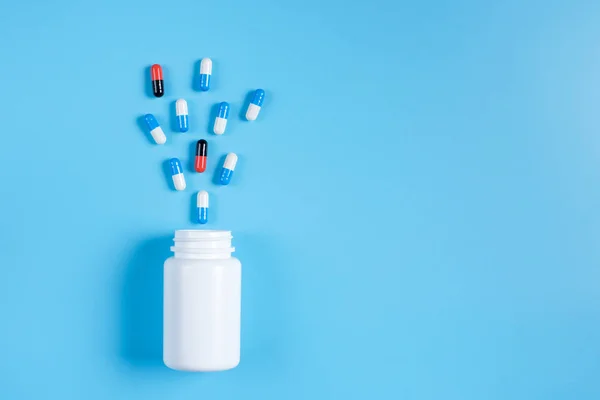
(416, 207)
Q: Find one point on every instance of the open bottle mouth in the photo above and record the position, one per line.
(203, 242)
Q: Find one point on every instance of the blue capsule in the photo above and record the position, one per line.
(177, 174)
(224, 110)
(205, 72)
(228, 168)
(221, 120)
(155, 130)
(258, 98)
(202, 205)
(181, 111)
(255, 104)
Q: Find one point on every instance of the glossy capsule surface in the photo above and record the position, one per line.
(205, 73)
(156, 75)
(177, 174)
(201, 155)
(255, 104)
(181, 112)
(221, 119)
(202, 206)
(228, 168)
(155, 130)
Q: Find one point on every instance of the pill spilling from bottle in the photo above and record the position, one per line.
(201, 155)
(155, 130)
(181, 123)
(156, 75)
(205, 73)
(202, 205)
(177, 174)
(181, 112)
(228, 168)
(255, 104)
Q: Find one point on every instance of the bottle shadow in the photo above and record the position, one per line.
(264, 303)
(141, 309)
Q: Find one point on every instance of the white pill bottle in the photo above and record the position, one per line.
(202, 302)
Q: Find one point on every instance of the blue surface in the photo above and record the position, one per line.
(416, 208)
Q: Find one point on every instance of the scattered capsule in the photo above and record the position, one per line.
(202, 204)
(155, 130)
(221, 120)
(181, 111)
(177, 174)
(255, 104)
(201, 154)
(205, 72)
(228, 167)
(157, 80)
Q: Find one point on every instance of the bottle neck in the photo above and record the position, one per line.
(202, 244)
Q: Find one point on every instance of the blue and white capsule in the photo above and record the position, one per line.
(221, 120)
(255, 105)
(228, 168)
(205, 73)
(155, 130)
(181, 112)
(177, 174)
(202, 204)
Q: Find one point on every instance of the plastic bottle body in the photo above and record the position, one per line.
(202, 308)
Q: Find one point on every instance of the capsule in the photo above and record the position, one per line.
(202, 204)
(255, 105)
(228, 167)
(201, 154)
(205, 72)
(177, 174)
(221, 120)
(155, 130)
(181, 111)
(157, 80)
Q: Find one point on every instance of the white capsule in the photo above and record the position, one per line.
(181, 107)
(230, 161)
(177, 174)
(155, 130)
(202, 206)
(205, 72)
(220, 125)
(252, 112)
(202, 199)
(206, 66)
(221, 119)
(227, 170)
(179, 182)
(158, 135)
(255, 104)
